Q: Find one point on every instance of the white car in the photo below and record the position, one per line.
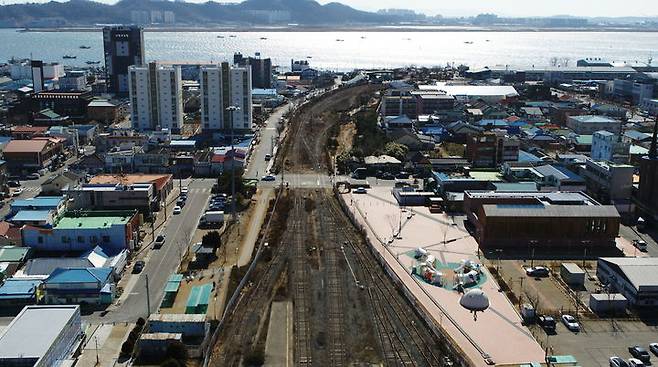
(570, 322)
(184, 190)
(634, 362)
(177, 209)
(617, 362)
(268, 178)
(17, 191)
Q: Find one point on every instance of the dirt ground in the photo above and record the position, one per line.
(345, 137)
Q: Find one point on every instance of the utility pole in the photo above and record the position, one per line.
(148, 297)
(98, 361)
(231, 110)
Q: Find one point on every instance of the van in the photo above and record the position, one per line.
(268, 157)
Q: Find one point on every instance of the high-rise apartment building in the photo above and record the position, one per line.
(156, 97)
(261, 69)
(223, 86)
(124, 46)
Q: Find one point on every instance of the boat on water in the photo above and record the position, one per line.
(263, 38)
(220, 36)
(309, 57)
(232, 36)
(85, 47)
(93, 62)
(339, 40)
(468, 42)
(69, 57)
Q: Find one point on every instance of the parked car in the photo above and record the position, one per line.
(159, 241)
(387, 176)
(570, 322)
(33, 176)
(547, 323)
(653, 347)
(269, 178)
(138, 267)
(537, 271)
(634, 362)
(184, 190)
(617, 362)
(360, 190)
(177, 210)
(17, 191)
(640, 244)
(13, 183)
(268, 157)
(180, 202)
(639, 353)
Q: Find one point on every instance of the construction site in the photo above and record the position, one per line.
(343, 307)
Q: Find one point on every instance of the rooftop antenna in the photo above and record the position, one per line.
(652, 150)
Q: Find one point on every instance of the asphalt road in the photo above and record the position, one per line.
(257, 166)
(161, 263)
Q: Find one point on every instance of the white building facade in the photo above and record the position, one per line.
(223, 86)
(156, 97)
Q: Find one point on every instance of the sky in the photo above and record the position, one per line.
(589, 8)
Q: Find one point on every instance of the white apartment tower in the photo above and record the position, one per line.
(156, 97)
(223, 86)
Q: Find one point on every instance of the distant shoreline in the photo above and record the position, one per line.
(350, 29)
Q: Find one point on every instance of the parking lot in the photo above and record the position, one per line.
(599, 340)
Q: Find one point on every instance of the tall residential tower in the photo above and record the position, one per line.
(156, 97)
(223, 86)
(124, 46)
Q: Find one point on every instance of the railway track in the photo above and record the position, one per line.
(334, 317)
(244, 325)
(404, 338)
(297, 223)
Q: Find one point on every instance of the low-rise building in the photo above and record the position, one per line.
(163, 183)
(91, 286)
(115, 197)
(491, 149)
(82, 231)
(522, 225)
(589, 124)
(18, 293)
(59, 334)
(610, 183)
(636, 278)
(30, 155)
(607, 146)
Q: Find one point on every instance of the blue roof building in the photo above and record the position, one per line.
(43, 218)
(493, 123)
(79, 285)
(19, 293)
(54, 203)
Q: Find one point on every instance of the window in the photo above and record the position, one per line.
(81, 239)
(106, 239)
(40, 239)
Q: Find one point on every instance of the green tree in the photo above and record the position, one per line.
(396, 150)
(224, 181)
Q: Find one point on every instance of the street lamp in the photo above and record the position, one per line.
(231, 110)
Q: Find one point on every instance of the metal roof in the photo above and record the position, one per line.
(550, 211)
(13, 253)
(640, 271)
(25, 146)
(15, 288)
(31, 216)
(91, 222)
(79, 275)
(39, 201)
(48, 320)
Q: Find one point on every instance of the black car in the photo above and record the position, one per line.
(180, 202)
(387, 176)
(138, 267)
(639, 353)
(13, 183)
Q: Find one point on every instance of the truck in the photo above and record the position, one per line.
(211, 219)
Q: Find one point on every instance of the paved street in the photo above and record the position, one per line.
(161, 263)
(257, 164)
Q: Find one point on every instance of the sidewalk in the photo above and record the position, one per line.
(109, 338)
(257, 218)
